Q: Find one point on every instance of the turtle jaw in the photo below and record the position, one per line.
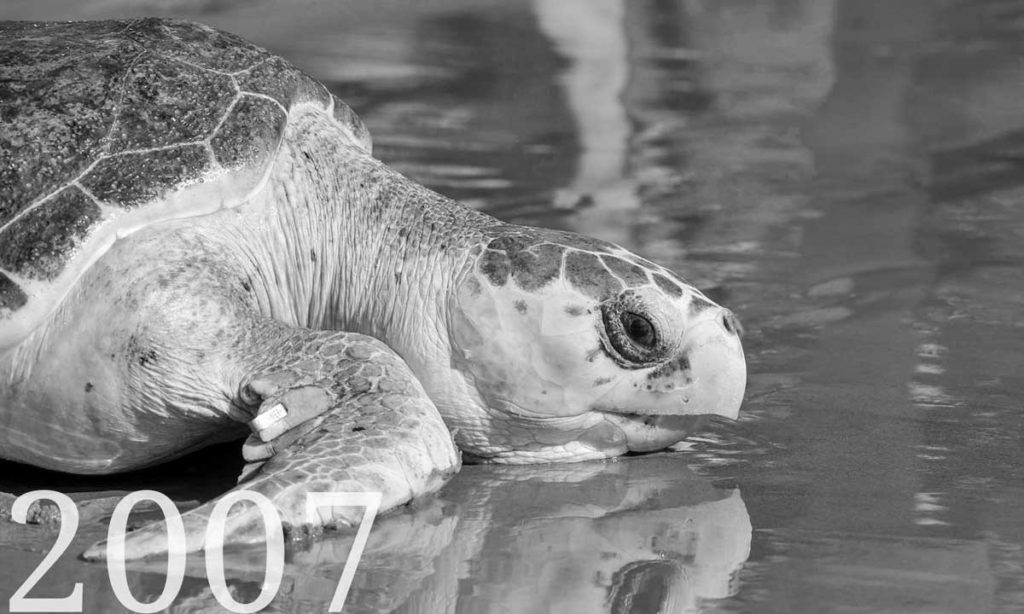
(587, 436)
(649, 433)
(707, 377)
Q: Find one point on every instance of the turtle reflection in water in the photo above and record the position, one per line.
(194, 237)
(643, 536)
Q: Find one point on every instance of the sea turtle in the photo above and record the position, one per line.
(194, 237)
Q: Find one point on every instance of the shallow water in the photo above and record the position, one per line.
(847, 175)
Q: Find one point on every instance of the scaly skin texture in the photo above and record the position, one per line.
(381, 433)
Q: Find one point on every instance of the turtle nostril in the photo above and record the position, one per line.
(731, 323)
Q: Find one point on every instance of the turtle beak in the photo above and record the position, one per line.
(718, 371)
(707, 377)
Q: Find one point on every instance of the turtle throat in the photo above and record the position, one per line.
(367, 250)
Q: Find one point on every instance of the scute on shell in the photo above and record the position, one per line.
(35, 245)
(98, 119)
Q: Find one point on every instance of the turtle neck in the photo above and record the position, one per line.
(349, 244)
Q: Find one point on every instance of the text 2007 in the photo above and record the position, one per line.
(214, 549)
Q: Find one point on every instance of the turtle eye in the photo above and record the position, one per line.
(631, 339)
(639, 329)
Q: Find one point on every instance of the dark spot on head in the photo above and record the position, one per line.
(574, 310)
(537, 266)
(630, 273)
(246, 285)
(520, 306)
(512, 242)
(601, 381)
(495, 267)
(668, 286)
(357, 429)
(147, 357)
(312, 255)
(88, 386)
(670, 368)
(586, 273)
(699, 304)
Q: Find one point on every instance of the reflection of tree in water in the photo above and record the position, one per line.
(502, 76)
(631, 83)
(665, 83)
(476, 118)
(666, 92)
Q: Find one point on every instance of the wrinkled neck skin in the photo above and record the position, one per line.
(364, 248)
(344, 243)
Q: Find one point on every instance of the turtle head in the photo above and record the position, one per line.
(564, 347)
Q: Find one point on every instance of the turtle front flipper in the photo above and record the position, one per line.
(380, 433)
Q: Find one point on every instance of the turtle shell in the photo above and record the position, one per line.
(108, 126)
